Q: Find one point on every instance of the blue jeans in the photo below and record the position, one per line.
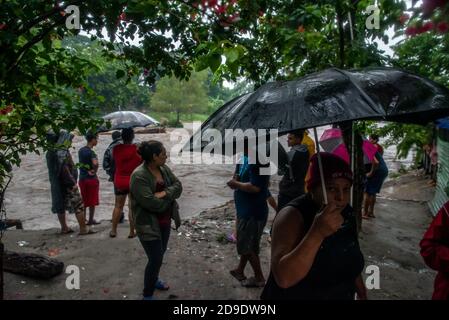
(154, 250)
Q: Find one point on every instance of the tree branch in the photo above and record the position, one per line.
(24, 28)
(32, 42)
(341, 34)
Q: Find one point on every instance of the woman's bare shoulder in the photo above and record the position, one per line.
(289, 218)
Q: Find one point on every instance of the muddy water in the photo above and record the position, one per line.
(28, 197)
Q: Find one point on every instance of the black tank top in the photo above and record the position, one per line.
(337, 263)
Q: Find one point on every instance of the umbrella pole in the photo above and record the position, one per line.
(352, 162)
(320, 166)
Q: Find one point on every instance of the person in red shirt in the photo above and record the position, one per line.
(126, 159)
(435, 250)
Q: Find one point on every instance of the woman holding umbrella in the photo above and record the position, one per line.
(315, 252)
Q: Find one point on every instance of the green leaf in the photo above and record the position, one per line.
(214, 61)
(231, 55)
(120, 74)
(201, 64)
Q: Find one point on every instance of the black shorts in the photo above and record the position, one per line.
(120, 192)
(249, 233)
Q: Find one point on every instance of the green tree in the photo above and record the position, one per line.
(261, 40)
(219, 93)
(427, 55)
(129, 93)
(180, 96)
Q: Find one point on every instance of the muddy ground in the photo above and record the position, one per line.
(199, 258)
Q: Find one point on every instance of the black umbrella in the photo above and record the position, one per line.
(315, 100)
(333, 96)
(127, 119)
(404, 96)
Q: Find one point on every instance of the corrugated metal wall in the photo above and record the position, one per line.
(440, 197)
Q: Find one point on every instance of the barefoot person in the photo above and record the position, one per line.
(88, 179)
(250, 196)
(315, 252)
(126, 159)
(64, 190)
(153, 190)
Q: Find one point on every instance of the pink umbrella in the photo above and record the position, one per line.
(332, 141)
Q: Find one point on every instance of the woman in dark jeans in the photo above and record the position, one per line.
(153, 190)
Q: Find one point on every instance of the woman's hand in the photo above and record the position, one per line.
(232, 184)
(328, 221)
(160, 195)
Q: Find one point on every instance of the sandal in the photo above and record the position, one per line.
(90, 223)
(231, 238)
(161, 285)
(87, 233)
(238, 276)
(253, 283)
(68, 231)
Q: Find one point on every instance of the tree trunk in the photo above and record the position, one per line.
(359, 170)
(32, 265)
(341, 33)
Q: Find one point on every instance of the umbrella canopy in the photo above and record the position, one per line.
(332, 141)
(404, 96)
(333, 96)
(330, 96)
(128, 119)
(321, 98)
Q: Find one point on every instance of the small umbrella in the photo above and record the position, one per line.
(127, 119)
(332, 141)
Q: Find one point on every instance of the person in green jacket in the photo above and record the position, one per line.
(153, 190)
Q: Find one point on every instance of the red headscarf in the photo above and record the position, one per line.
(333, 167)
